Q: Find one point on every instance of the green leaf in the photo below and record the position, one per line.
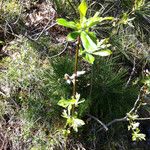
(93, 21)
(83, 9)
(87, 42)
(65, 23)
(69, 121)
(65, 103)
(103, 53)
(103, 42)
(66, 132)
(93, 37)
(89, 58)
(73, 36)
(1, 42)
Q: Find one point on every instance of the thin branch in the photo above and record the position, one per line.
(136, 105)
(44, 29)
(142, 119)
(133, 70)
(121, 120)
(100, 122)
(2, 93)
(112, 122)
(12, 32)
(60, 52)
(39, 34)
(1, 6)
(137, 101)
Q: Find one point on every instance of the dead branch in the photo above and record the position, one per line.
(112, 122)
(61, 51)
(100, 122)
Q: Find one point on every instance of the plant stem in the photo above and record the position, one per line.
(75, 71)
(76, 67)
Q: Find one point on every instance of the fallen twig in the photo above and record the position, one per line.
(100, 122)
(61, 51)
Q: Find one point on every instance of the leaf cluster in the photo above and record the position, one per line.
(71, 117)
(91, 45)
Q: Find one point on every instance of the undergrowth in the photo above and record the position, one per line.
(32, 81)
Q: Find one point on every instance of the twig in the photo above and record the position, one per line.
(121, 120)
(108, 10)
(44, 29)
(100, 122)
(142, 119)
(112, 122)
(134, 109)
(20, 11)
(133, 70)
(137, 101)
(2, 4)
(12, 32)
(50, 26)
(3, 94)
(39, 34)
(60, 52)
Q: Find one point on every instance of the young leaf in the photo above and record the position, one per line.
(138, 4)
(87, 42)
(83, 9)
(103, 53)
(138, 136)
(64, 114)
(93, 21)
(65, 23)
(72, 36)
(65, 103)
(89, 58)
(103, 42)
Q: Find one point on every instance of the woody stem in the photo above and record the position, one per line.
(76, 67)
